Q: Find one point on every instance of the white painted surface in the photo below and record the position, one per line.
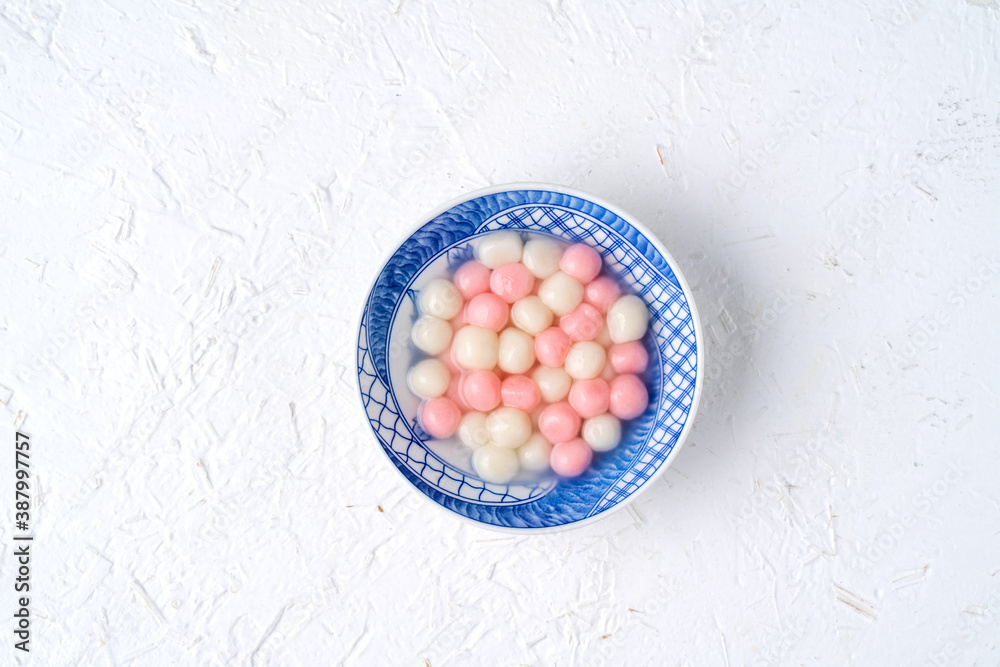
(195, 198)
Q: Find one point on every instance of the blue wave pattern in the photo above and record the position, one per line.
(647, 441)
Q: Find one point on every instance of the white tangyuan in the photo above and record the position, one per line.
(431, 334)
(472, 430)
(429, 378)
(585, 360)
(531, 315)
(499, 248)
(561, 293)
(553, 383)
(627, 319)
(476, 348)
(440, 298)
(542, 256)
(517, 351)
(534, 454)
(603, 432)
(495, 464)
(508, 427)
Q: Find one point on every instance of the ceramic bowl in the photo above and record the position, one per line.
(441, 472)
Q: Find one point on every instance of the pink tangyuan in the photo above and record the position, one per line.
(590, 397)
(487, 310)
(480, 390)
(521, 392)
(581, 262)
(584, 323)
(602, 293)
(559, 422)
(552, 346)
(572, 458)
(628, 398)
(472, 278)
(628, 357)
(440, 417)
(511, 282)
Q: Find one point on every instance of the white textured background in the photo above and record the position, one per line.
(195, 196)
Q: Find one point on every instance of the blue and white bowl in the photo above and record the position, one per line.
(649, 443)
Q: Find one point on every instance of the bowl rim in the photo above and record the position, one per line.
(685, 288)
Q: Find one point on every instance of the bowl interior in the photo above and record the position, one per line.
(442, 471)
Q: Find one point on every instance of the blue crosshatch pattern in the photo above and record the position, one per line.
(647, 441)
